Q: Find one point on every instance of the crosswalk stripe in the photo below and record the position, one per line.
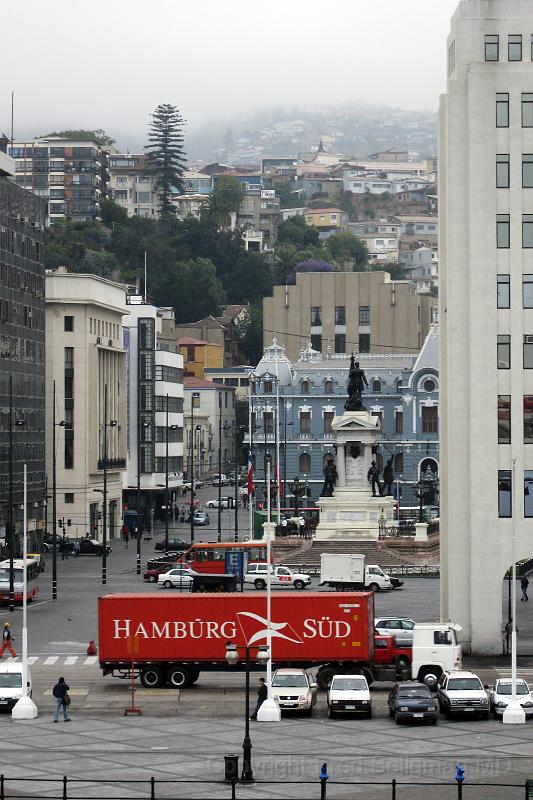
(50, 660)
(70, 661)
(90, 660)
(32, 660)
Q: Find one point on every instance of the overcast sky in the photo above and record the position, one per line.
(108, 63)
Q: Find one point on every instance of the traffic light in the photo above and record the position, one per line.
(69, 522)
(60, 523)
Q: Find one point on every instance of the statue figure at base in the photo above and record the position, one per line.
(330, 479)
(356, 385)
(373, 479)
(388, 477)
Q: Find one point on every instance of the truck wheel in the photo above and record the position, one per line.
(195, 674)
(402, 662)
(430, 677)
(259, 583)
(179, 677)
(325, 676)
(299, 584)
(167, 584)
(374, 587)
(152, 677)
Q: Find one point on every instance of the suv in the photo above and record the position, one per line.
(294, 691)
(460, 692)
(399, 627)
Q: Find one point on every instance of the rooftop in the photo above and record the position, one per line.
(191, 382)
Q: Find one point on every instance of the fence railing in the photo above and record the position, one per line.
(319, 789)
(406, 570)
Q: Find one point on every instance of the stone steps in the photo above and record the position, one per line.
(373, 550)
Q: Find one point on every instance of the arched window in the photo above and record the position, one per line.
(304, 464)
(398, 463)
(305, 387)
(328, 387)
(429, 385)
(376, 386)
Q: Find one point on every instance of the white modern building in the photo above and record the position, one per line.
(132, 184)
(155, 411)
(86, 362)
(486, 311)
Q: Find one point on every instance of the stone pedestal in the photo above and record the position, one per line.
(353, 513)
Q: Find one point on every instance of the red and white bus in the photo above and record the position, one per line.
(212, 557)
(32, 578)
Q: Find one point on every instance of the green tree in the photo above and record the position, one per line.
(112, 214)
(287, 197)
(226, 197)
(296, 231)
(97, 135)
(344, 246)
(192, 287)
(286, 259)
(250, 333)
(166, 155)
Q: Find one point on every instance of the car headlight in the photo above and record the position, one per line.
(431, 708)
(454, 702)
(404, 708)
(301, 697)
(501, 704)
(364, 701)
(334, 702)
(527, 704)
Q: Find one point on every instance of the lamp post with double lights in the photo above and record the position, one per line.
(111, 424)
(232, 657)
(60, 424)
(298, 490)
(193, 431)
(167, 429)
(222, 428)
(238, 429)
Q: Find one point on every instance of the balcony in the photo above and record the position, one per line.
(112, 463)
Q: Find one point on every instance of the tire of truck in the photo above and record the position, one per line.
(324, 677)
(402, 662)
(429, 676)
(179, 677)
(259, 583)
(299, 584)
(152, 677)
(195, 674)
(374, 587)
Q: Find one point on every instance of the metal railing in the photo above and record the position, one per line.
(401, 570)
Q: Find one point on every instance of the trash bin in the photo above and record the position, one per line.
(231, 768)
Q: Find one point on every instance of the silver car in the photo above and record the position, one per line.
(399, 627)
(500, 694)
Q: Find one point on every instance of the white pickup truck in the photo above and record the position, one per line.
(279, 576)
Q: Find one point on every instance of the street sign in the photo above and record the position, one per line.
(236, 563)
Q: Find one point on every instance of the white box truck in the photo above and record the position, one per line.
(344, 572)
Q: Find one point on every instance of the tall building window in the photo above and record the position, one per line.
(527, 171)
(504, 352)
(527, 230)
(504, 294)
(528, 493)
(502, 171)
(340, 315)
(430, 419)
(492, 48)
(376, 386)
(514, 47)
(68, 323)
(364, 315)
(268, 422)
(304, 464)
(305, 387)
(398, 419)
(305, 422)
(316, 342)
(267, 387)
(503, 230)
(340, 342)
(505, 504)
(527, 291)
(502, 110)
(527, 110)
(528, 419)
(69, 450)
(504, 419)
(328, 387)
(364, 343)
(316, 315)
(328, 419)
(528, 352)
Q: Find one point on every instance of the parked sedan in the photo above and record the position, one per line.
(412, 701)
(225, 502)
(349, 694)
(173, 544)
(399, 627)
(201, 518)
(500, 694)
(177, 577)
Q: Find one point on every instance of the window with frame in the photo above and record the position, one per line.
(502, 109)
(340, 315)
(527, 109)
(364, 315)
(527, 171)
(398, 422)
(504, 291)
(504, 351)
(528, 352)
(305, 387)
(398, 463)
(195, 399)
(527, 291)
(492, 47)
(527, 230)
(316, 342)
(328, 387)
(376, 386)
(503, 231)
(69, 497)
(364, 343)
(505, 502)
(267, 387)
(305, 422)
(328, 419)
(528, 419)
(68, 324)
(430, 419)
(528, 493)
(340, 342)
(504, 419)
(268, 422)
(304, 464)
(316, 315)
(502, 171)
(514, 47)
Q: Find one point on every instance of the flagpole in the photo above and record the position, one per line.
(250, 475)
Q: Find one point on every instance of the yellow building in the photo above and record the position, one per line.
(198, 355)
(326, 219)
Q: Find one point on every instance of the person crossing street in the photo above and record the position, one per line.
(7, 641)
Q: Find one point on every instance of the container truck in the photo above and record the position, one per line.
(170, 639)
(343, 572)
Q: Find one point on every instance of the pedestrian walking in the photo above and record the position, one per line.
(63, 548)
(524, 583)
(76, 548)
(262, 694)
(125, 535)
(7, 641)
(62, 698)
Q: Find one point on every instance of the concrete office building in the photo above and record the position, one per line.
(132, 184)
(212, 404)
(84, 354)
(341, 312)
(486, 299)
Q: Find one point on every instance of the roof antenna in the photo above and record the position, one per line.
(12, 118)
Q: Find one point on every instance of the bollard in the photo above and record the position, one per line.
(323, 778)
(394, 789)
(231, 768)
(459, 777)
(65, 787)
(152, 788)
(233, 785)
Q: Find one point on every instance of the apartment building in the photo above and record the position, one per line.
(486, 299)
(209, 409)
(86, 363)
(22, 325)
(132, 184)
(341, 312)
(71, 176)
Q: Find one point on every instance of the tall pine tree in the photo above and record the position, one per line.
(166, 155)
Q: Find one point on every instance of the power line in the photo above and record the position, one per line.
(395, 347)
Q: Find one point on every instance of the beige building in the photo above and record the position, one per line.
(132, 184)
(84, 354)
(341, 312)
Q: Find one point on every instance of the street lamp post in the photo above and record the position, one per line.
(298, 490)
(60, 424)
(11, 537)
(232, 657)
(167, 428)
(111, 424)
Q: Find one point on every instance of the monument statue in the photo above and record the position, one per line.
(388, 477)
(356, 385)
(354, 465)
(373, 479)
(330, 479)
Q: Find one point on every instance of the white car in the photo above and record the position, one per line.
(177, 577)
(400, 627)
(293, 690)
(256, 574)
(225, 502)
(349, 694)
(11, 684)
(224, 481)
(500, 694)
(461, 692)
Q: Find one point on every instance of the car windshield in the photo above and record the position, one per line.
(289, 680)
(464, 684)
(417, 694)
(506, 688)
(10, 680)
(349, 684)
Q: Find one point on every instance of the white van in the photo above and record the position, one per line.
(11, 684)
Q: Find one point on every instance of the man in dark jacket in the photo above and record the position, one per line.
(262, 694)
(59, 691)
(524, 583)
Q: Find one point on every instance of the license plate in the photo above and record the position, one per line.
(418, 715)
(350, 708)
(3, 702)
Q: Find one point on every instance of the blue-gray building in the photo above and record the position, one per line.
(303, 398)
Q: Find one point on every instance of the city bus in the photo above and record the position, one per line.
(222, 557)
(32, 578)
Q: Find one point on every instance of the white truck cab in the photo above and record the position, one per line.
(435, 650)
(345, 571)
(11, 684)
